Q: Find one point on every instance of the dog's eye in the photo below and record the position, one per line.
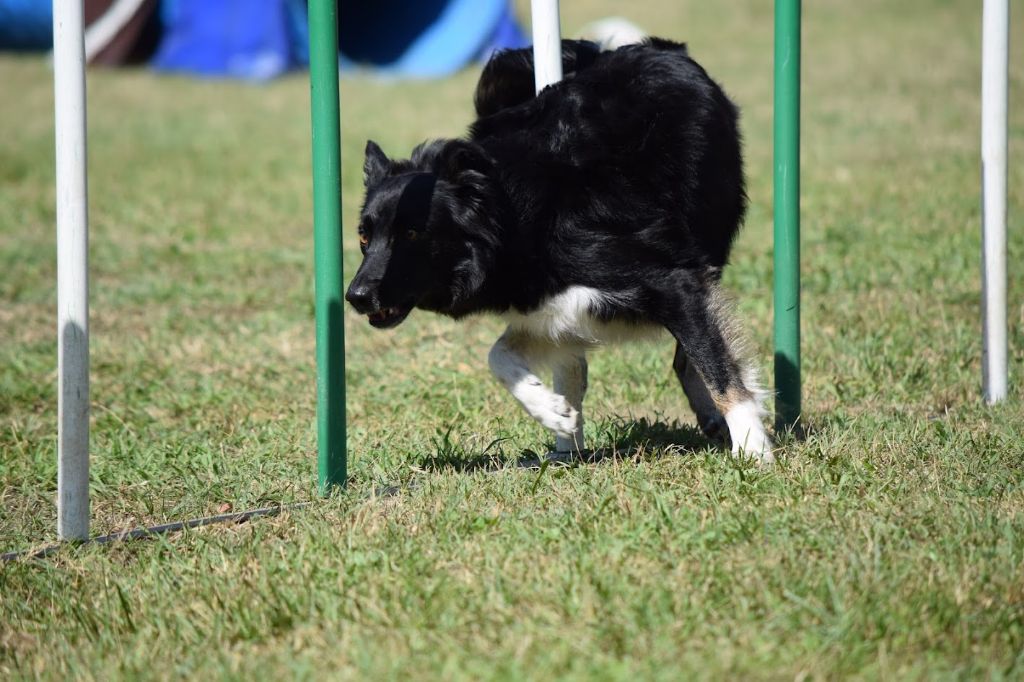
(412, 235)
(363, 240)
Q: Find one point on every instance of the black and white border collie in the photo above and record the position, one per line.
(596, 211)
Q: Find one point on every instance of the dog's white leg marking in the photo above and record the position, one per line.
(570, 380)
(746, 430)
(509, 364)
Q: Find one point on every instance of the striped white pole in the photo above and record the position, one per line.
(547, 43)
(72, 272)
(994, 68)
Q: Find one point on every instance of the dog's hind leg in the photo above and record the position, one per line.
(570, 380)
(701, 328)
(710, 420)
(510, 360)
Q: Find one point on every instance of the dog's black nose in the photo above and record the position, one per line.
(360, 295)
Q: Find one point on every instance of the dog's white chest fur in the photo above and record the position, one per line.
(573, 316)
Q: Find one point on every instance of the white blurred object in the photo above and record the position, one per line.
(613, 32)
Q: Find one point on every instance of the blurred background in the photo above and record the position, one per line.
(260, 39)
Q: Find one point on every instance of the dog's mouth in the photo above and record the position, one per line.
(385, 318)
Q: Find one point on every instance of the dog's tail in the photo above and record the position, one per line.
(507, 79)
(665, 45)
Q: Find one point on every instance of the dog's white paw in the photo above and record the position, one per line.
(757, 446)
(555, 413)
(746, 431)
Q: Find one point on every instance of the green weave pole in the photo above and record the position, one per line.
(330, 332)
(787, 213)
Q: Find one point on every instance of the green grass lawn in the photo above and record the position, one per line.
(887, 544)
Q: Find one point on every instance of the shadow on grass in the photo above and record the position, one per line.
(636, 440)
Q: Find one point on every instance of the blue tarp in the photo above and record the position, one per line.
(251, 39)
(26, 25)
(424, 38)
(259, 39)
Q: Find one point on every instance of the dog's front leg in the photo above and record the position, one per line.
(510, 363)
(570, 380)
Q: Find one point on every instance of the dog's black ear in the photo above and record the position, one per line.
(460, 157)
(376, 166)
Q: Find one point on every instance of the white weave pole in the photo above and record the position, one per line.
(994, 77)
(547, 43)
(72, 272)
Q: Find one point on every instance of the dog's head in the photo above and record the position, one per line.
(423, 231)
